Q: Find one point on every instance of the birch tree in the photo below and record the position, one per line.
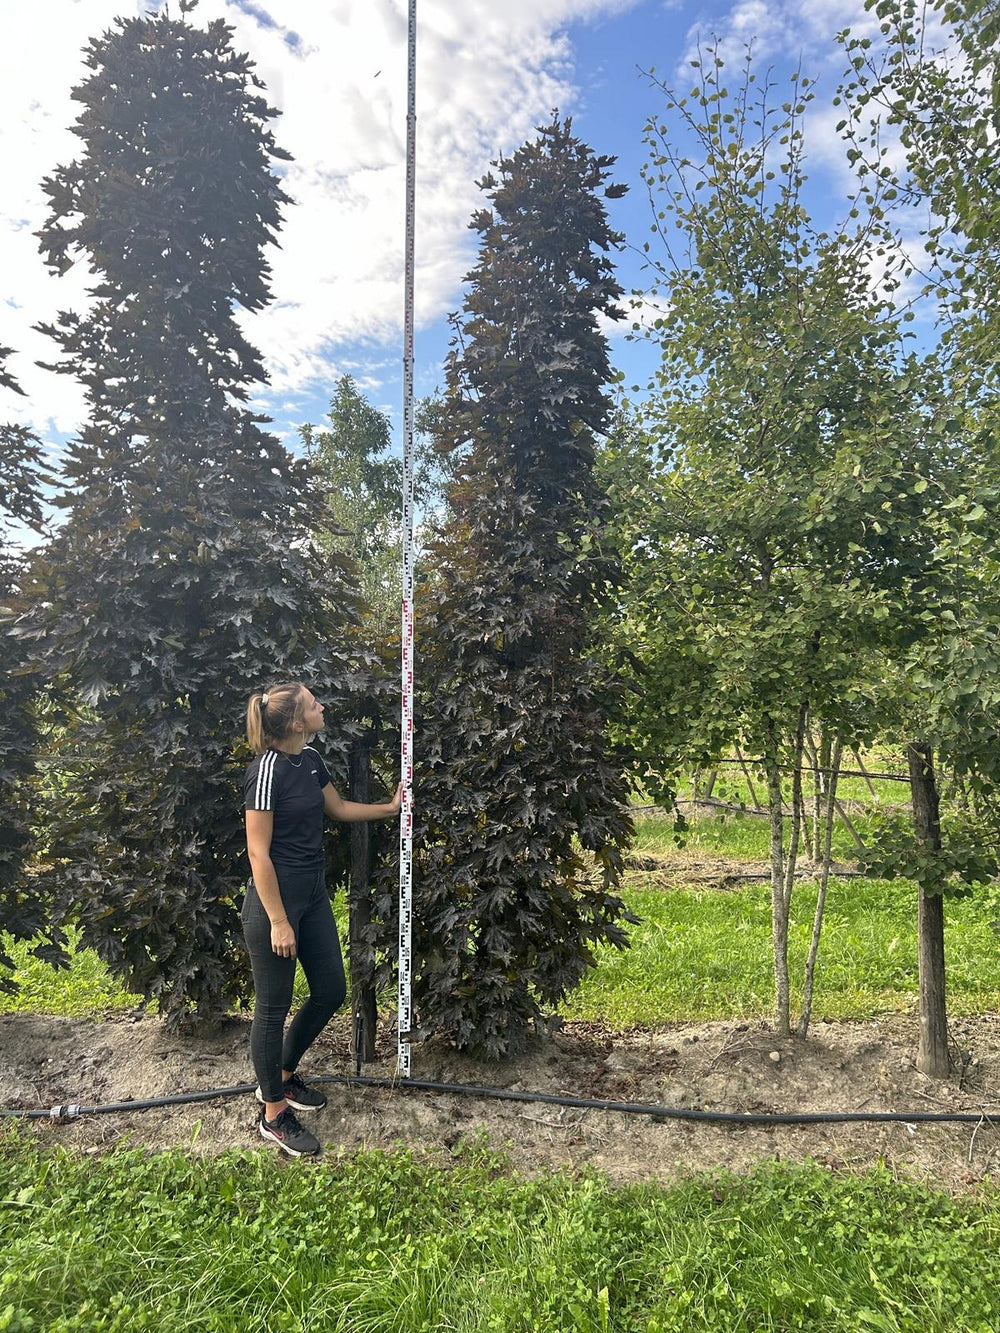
(780, 557)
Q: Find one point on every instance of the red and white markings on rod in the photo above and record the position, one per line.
(405, 1000)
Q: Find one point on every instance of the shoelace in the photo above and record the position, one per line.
(286, 1121)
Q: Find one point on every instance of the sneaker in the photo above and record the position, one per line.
(298, 1095)
(288, 1134)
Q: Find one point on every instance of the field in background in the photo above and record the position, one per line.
(701, 948)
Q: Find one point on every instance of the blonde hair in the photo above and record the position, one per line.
(272, 713)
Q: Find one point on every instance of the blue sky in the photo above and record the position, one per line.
(488, 72)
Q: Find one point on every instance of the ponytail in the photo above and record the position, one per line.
(272, 713)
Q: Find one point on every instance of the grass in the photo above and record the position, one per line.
(84, 989)
(696, 954)
(742, 837)
(388, 1243)
(707, 954)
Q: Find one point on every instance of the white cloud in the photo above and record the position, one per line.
(785, 33)
(641, 313)
(787, 30)
(487, 73)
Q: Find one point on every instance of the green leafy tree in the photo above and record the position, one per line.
(187, 571)
(946, 715)
(521, 804)
(930, 80)
(945, 693)
(364, 487)
(363, 482)
(784, 550)
(22, 471)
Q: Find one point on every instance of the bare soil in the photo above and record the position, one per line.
(712, 870)
(716, 1066)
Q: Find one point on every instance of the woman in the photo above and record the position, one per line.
(287, 913)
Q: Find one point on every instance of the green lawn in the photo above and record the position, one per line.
(707, 954)
(82, 990)
(744, 837)
(696, 954)
(388, 1243)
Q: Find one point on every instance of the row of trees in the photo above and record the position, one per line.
(198, 559)
(794, 538)
(809, 510)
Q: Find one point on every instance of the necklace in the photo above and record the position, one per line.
(289, 758)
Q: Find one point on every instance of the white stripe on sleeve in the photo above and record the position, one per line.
(262, 795)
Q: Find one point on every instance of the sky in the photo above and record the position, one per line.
(488, 71)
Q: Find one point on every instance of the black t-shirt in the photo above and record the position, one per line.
(291, 786)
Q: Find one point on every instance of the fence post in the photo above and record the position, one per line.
(360, 951)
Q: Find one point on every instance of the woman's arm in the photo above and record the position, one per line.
(356, 812)
(260, 826)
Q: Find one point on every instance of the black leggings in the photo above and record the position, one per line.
(307, 906)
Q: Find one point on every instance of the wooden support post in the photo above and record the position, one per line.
(746, 773)
(864, 772)
(360, 951)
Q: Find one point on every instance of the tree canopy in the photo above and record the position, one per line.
(187, 572)
(519, 786)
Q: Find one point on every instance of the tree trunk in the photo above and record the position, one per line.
(360, 951)
(810, 830)
(821, 766)
(932, 1051)
(810, 974)
(858, 841)
(798, 805)
(779, 907)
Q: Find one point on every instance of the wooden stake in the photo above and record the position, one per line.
(746, 773)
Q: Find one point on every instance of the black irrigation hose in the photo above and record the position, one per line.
(72, 1111)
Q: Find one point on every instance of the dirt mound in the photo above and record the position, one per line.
(715, 1066)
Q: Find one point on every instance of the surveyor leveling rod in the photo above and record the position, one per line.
(405, 1004)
